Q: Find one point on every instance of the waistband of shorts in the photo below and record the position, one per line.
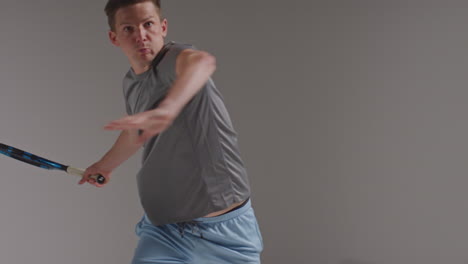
(226, 216)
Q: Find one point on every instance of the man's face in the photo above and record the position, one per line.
(139, 32)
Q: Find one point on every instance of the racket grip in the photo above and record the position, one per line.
(79, 172)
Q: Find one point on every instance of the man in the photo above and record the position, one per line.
(192, 177)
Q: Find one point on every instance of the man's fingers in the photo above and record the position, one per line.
(87, 178)
(155, 122)
(124, 125)
(121, 123)
(91, 174)
(119, 127)
(94, 182)
(83, 180)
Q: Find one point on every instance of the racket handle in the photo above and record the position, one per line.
(79, 172)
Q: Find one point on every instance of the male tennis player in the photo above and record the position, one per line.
(193, 185)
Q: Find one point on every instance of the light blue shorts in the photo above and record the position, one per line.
(232, 238)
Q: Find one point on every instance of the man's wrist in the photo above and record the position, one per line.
(102, 165)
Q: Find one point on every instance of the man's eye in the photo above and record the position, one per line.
(148, 24)
(127, 29)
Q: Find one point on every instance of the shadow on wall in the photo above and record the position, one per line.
(354, 261)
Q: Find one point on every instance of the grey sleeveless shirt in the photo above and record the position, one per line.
(194, 167)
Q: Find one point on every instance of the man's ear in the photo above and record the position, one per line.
(113, 38)
(164, 27)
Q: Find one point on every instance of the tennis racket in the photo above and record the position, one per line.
(45, 163)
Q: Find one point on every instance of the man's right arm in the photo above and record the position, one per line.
(124, 147)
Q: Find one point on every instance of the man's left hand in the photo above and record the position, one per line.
(150, 122)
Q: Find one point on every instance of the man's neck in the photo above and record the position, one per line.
(139, 69)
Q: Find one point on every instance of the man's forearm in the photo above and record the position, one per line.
(123, 148)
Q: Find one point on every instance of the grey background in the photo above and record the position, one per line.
(351, 118)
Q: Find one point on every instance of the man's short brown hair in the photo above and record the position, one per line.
(113, 5)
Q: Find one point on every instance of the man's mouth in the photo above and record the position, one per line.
(144, 50)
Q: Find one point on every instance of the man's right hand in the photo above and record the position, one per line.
(94, 170)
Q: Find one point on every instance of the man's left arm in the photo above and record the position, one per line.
(193, 69)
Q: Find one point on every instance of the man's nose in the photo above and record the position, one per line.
(141, 35)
